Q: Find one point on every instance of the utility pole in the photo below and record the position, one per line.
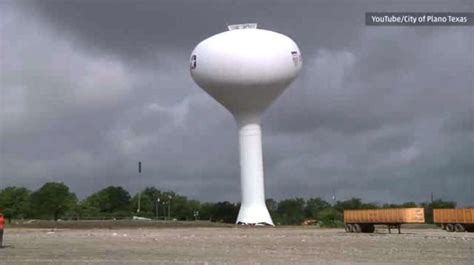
(196, 215)
(165, 216)
(333, 197)
(139, 191)
(169, 206)
(157, 208)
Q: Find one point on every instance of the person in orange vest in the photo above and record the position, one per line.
(2, 226)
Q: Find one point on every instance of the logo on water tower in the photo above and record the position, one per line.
(193, 62)
(296, 57)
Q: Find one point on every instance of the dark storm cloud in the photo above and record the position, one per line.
(90, 87)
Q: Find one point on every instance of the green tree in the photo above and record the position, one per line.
(219, 212)
(148, 200)
(151, 194)
(271, 204)
(409, 205)
(354, 204)
(182, 208)
(194, 206)
(15, 202)
(52, 200)
(171, 203)
(205, 211)
(113, 200)
(314, 206)
(84, 210)
(330, 217)
(272, 207)
(291, 211)
(225, 212)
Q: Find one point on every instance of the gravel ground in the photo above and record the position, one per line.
(234, 245)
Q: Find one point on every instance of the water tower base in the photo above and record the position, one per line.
(254, 215)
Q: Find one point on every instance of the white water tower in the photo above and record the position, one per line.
(246, 69)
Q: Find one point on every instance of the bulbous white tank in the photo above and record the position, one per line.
(246, 70)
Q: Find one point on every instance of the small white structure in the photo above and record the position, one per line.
(246, 69)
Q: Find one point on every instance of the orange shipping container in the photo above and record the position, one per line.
(447, 216)
(385, 216)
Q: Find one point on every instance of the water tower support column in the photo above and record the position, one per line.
(253, 209)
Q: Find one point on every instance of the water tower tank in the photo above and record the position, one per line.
(245, 69)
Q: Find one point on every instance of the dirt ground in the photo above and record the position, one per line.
(234, 245)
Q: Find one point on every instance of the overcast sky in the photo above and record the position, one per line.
(89, 88)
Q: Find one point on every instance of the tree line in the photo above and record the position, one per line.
(55, 201)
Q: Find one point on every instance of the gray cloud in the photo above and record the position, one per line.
(89, 88)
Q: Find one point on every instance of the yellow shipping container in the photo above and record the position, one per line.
(458, 220)
(465, 216)
(385, 216)
(364, 220)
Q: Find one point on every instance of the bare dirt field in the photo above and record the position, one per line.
(234, 245)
